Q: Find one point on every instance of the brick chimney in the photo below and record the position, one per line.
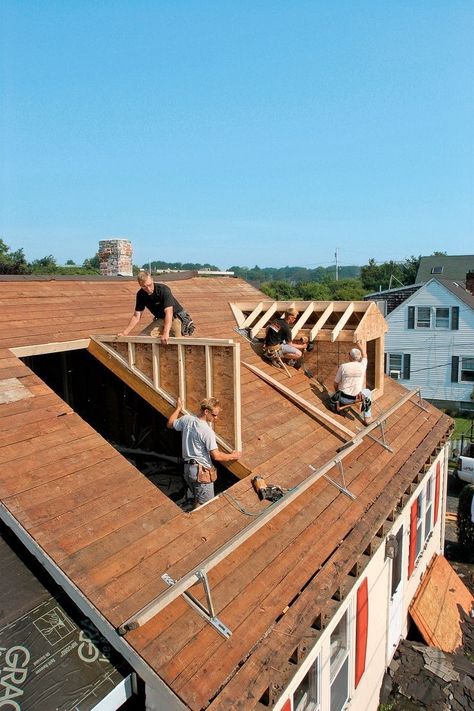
(115, 257)
(470, 282)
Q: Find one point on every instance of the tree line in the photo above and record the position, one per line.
(282, 283)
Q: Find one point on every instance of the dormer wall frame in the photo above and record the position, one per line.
(342, 323)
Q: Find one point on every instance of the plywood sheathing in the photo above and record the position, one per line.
(436, 608)
(113, 534)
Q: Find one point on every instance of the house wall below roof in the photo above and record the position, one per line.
(431, 349)
(378, 573)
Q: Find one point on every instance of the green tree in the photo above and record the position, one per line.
(279, 290)
(45, 265)
(12, 262)
(93, 263)
(71, 262)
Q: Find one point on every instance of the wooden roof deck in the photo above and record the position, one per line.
(113, 534)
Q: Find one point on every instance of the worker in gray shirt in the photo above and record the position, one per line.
(199, 448)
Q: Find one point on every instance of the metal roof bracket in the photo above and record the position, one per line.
(343, 488)
(208, 613)
(419, 402)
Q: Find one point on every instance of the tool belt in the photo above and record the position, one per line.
(206, 476)
(187, 324)
(275, 351)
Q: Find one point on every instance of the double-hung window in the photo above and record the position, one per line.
(339, 665)
(423, 317)
(398, 366)
(441, 317)
(306, 696)
(437, 317)
(429, 506)
(467, 369)
(419, 525)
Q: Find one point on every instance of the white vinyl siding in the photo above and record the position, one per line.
(432, 349)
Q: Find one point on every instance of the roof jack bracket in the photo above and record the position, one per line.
(342, 488)
(382, 442)
(419, 402)
(208, 613)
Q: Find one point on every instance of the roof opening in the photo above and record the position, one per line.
(123, 418)
(437, 270)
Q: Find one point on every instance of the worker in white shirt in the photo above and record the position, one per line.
(350, 380)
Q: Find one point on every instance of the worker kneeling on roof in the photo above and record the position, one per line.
(199, 448)
(349, 382)
(279, 341)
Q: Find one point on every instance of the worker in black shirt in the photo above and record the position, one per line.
(169, 317)
(279, 341)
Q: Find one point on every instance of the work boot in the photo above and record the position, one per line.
(297, 364)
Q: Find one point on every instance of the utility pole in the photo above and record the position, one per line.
(337, 266)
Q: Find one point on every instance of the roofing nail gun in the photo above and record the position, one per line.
(267, 491)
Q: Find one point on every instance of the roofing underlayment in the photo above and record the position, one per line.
(109, 535)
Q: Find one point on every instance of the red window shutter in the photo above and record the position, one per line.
(287, 705)
(362, 627)
(412, 551)
(437, 487)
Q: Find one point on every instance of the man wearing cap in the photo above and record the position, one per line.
(278, 339)
(349, 381)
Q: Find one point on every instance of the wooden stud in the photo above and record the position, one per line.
(23, 351)
(302, 319)
(181, 375)
(238, 315)
(263, 320)
(156, 365)
(342, 321)
(253, 315)
(237, 399)
(131, 355)
(208, 352)
(321, 320)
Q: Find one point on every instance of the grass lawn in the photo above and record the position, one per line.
(463, 426)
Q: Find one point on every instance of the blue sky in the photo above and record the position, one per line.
(242, 133)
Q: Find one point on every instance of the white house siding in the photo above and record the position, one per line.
(431, 350)
(379, 576)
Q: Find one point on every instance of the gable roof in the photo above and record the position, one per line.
(452, 267)
(459, 291)
(110, 534)
(396, 297)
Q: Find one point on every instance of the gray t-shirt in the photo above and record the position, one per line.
(198, 439)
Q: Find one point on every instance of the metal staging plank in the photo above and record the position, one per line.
(193, 576)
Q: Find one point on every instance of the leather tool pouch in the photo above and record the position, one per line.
(206, 476)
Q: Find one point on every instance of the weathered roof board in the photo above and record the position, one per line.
(113, 534)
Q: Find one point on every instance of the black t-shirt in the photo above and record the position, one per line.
(277, 332)
(158, 301)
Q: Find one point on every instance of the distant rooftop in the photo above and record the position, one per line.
(453, 267)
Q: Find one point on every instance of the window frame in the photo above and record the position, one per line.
(342, 658)
(461, 370)
(417, 317)
(310, 704)
(403, 365)
(442, 308)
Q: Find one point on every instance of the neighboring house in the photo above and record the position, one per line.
(444, 266)
(430, 342)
